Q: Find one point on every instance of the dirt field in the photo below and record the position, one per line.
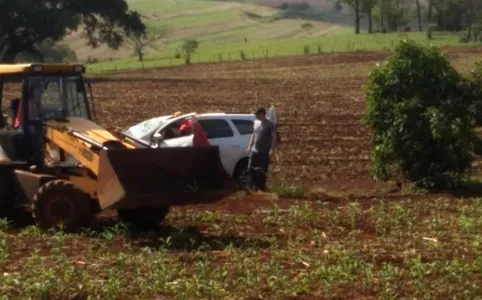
(351, 239)
(319, 100)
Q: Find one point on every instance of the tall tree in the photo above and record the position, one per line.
(430, 19)
(142, 42)
(472, 14)
(357, 16)
(456, 15)
(26, 23)
(356, 7)
(382, 15)
(394, 12)
(419, 15)
(367, 9)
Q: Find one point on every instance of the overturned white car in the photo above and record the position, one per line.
(230, 132)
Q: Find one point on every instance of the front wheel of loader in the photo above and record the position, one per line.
(7, 196)
(143, 218)
(60, 203)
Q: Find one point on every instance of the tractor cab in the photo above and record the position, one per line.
(47, 92)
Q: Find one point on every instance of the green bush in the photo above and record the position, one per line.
(477, 32)
(187, 49)
(419, 109)
(430, 30)
(464, 37)
(242, 55)
(476, 85)
(177, 54)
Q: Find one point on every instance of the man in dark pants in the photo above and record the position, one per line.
(262, 143)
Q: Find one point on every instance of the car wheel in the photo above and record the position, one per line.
(242, 176)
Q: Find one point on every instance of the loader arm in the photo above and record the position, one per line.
(124, 176)
(83, 140)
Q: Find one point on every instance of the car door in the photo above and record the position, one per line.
(183, 141)
(221, 133)
(244, 128)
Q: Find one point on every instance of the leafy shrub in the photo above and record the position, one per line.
(177, 54)
(464, 37)
(320, 49)
(284, 5)
(419, 109)
(301, 6)
(476, 87)
(242, 55)
(430, 30)
(188, 48)
(307, 25)
(477, 32)
(91, 60)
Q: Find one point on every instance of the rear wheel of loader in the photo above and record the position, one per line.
(60, 203)
(143, 218)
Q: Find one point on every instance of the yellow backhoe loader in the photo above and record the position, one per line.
(61, 166)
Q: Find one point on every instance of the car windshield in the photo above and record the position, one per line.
(58, 97)
(143, 130)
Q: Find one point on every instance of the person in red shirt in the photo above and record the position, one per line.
(191, 126)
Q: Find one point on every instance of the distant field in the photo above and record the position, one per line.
(213, 22)
(339, 40)
(228, 30)
(224, 28)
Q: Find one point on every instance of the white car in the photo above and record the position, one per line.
(230, 132)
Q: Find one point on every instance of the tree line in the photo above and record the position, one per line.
(31, 28)
(442, 15)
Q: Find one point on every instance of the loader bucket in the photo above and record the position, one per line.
(135, 178)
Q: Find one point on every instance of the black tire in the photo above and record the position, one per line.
(7, 194)
(59, 202)
(143, 218)
(242, 176)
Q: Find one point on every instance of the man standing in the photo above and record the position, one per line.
(34, 129)
(262, 143)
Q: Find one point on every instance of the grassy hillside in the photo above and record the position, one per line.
(340, 40)
(257, 28)
(211, 22)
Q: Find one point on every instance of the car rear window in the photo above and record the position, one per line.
(216, 129)
(244, 126)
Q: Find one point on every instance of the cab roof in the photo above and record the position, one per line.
(18, 69)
